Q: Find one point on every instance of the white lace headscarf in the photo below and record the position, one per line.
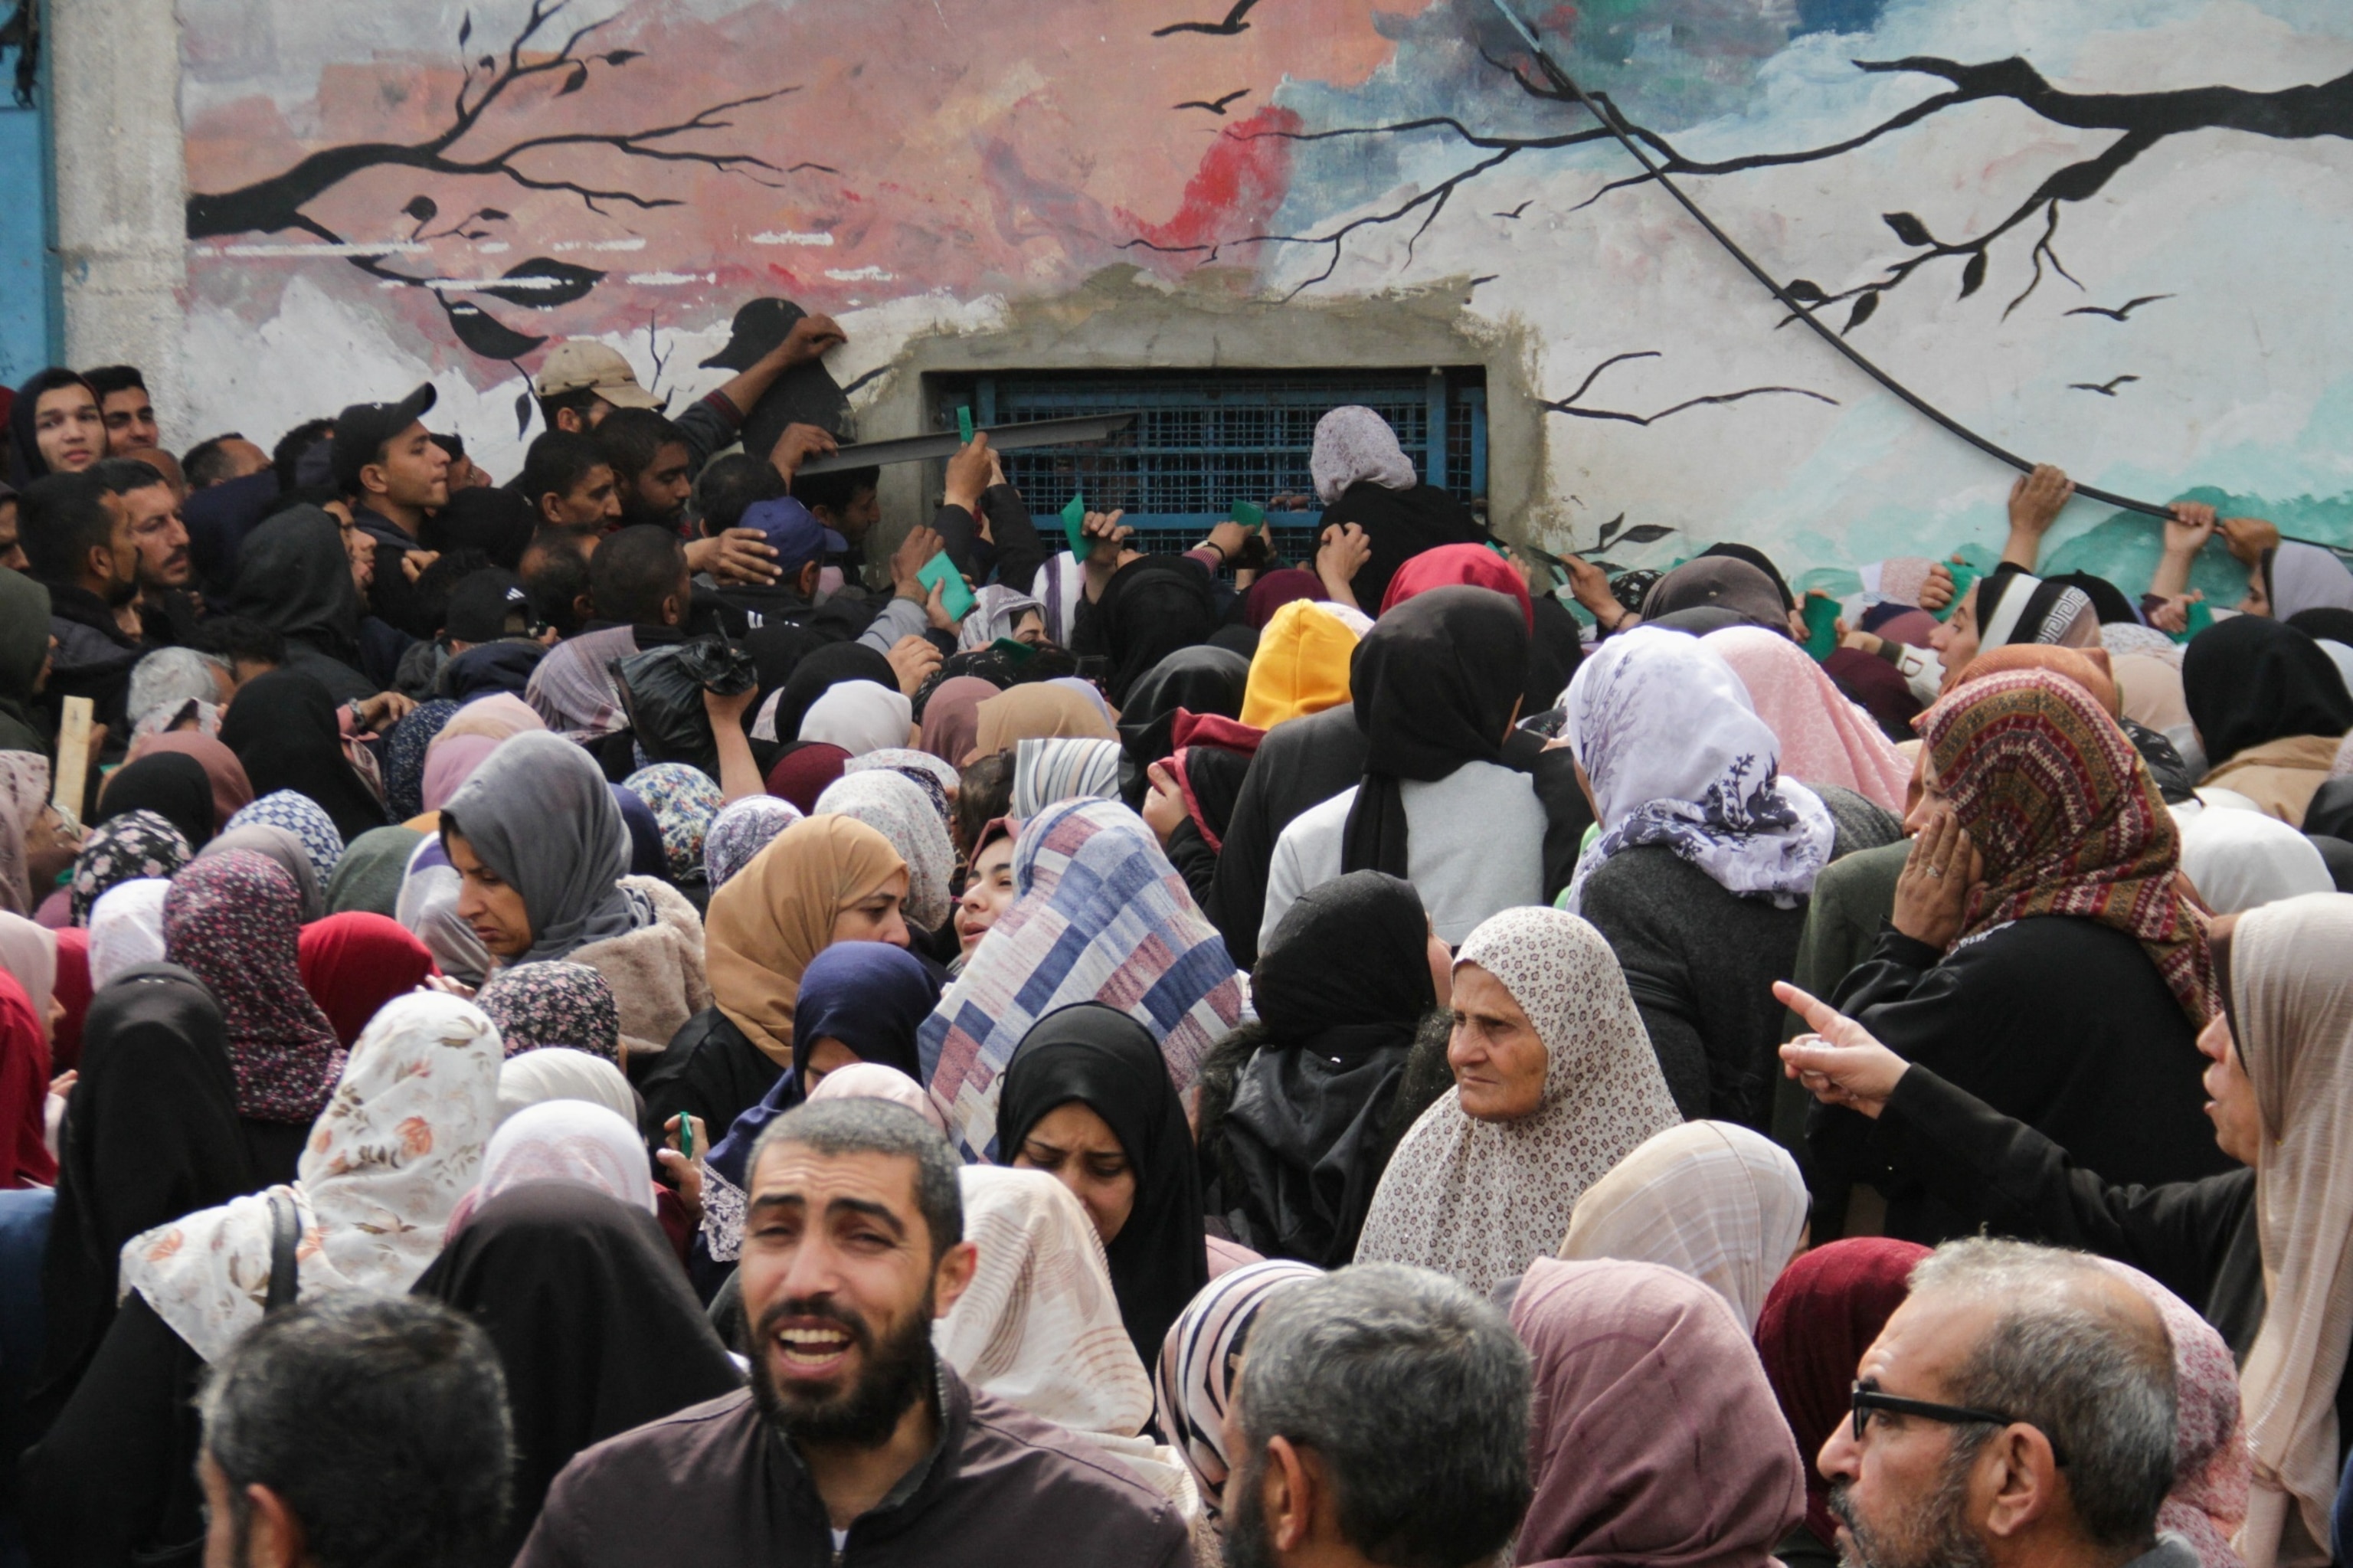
(1354, 444)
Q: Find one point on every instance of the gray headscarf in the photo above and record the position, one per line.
(538, 814)
(280, 846)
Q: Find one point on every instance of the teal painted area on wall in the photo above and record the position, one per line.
(28, 313)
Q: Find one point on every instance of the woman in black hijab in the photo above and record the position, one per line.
(1125, 1152)
(170, 784)
(2270, 708)
(1200, 680)
(283, 727)
(1151, 608)
(151, 1133)
(294, 577)
(1296, 1123)
(595, 1326)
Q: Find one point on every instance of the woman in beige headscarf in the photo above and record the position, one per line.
(1708, 1198)
(1555, 1083)
(2265, 1251)
(1039, 711)
(1039, 1324)
(823, 880)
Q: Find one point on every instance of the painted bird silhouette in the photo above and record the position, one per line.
(1232, 24)
(1517, 210)
(2104, 388)
(2122, 311)
(1217, 107)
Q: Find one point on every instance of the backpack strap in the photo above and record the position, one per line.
(285, 1236)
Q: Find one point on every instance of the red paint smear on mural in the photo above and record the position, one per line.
(1235, 191)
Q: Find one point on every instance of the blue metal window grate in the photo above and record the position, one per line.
(1205, 439)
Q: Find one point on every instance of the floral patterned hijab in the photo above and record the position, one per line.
(134, 844)
(235, 921)
(553, 1003)
(398, 1144)
(1677, 757)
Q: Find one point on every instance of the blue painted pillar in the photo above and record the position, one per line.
(32, 324)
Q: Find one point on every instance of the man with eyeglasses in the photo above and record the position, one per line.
(2017, 1412)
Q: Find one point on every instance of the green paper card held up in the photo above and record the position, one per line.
(940, 573)
(1074, 524)
(964, 425)
(1249, 515)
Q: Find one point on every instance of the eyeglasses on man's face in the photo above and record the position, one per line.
(1867, 1398)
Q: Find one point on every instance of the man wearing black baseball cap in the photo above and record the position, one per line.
(391, 470)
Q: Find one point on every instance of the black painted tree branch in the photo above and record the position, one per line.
(2141, 119)
(1570, 406)
(275, 205)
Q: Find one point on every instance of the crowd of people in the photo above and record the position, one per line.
(611, 1015)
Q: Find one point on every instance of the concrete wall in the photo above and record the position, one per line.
(1062, 182)
(120, 185)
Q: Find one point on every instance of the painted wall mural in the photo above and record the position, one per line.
(2107, 233)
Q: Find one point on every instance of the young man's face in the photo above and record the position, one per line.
(12, 549)
(130, 421)
(160, 537)
(589, 508)
(415, 472)
(660, 494)
(864, 510)
(68, 429)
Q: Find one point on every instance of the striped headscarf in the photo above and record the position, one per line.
(1045, 772)
(1193, 1383)
(2069, 821)
(1100, 915)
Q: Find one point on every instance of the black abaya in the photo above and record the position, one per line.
(151, 1134)
(283, 728)
(594, 1325)
(1341, 991)
(1399, 524)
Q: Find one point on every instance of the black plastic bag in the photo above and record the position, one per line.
(662, 689)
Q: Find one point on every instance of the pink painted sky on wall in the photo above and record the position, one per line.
(971, 146)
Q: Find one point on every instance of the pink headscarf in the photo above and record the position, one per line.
(464, 742)
(1825, 738)
(877, 1081)
(1655, 1439)
(2212, 1465)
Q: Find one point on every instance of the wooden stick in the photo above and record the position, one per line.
(73, 759)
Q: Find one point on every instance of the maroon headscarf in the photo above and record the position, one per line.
(1654, 1439)
(1819, 1319)
(354, 963)
(1277, 588)
(804, 769)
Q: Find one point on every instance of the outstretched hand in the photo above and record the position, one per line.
(1838, 1060)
